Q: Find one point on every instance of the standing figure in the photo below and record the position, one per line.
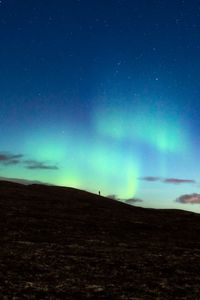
(99, 193)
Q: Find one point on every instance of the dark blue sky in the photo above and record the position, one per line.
(99, 94)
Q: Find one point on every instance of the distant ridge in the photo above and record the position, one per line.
(22, 181)
(64, 243)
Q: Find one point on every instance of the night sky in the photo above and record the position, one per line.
(103, 95)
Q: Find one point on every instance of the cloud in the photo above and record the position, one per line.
(178, 181)
(7, 159)
(189, 199)
(10, 159)
(132, 201)
(167, 180)
(150, 178)
(36, 165)
(113, 196)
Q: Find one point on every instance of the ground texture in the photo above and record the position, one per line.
(59, 243)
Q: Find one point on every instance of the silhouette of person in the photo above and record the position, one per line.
(99, 193)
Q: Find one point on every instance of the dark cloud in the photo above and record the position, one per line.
(133, 201)
(10, 159)
(113, 196)
(7, 159)
(178, 181)
(167, 180)
(36, 165)
(189, 199)
(150, 178)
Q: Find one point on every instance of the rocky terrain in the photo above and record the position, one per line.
(63, 243)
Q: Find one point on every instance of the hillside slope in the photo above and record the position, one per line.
(63, 243)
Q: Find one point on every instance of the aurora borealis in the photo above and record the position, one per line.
(103, 95)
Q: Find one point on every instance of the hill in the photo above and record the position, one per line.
(63, 243)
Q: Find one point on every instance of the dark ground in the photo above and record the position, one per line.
(62, 243)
